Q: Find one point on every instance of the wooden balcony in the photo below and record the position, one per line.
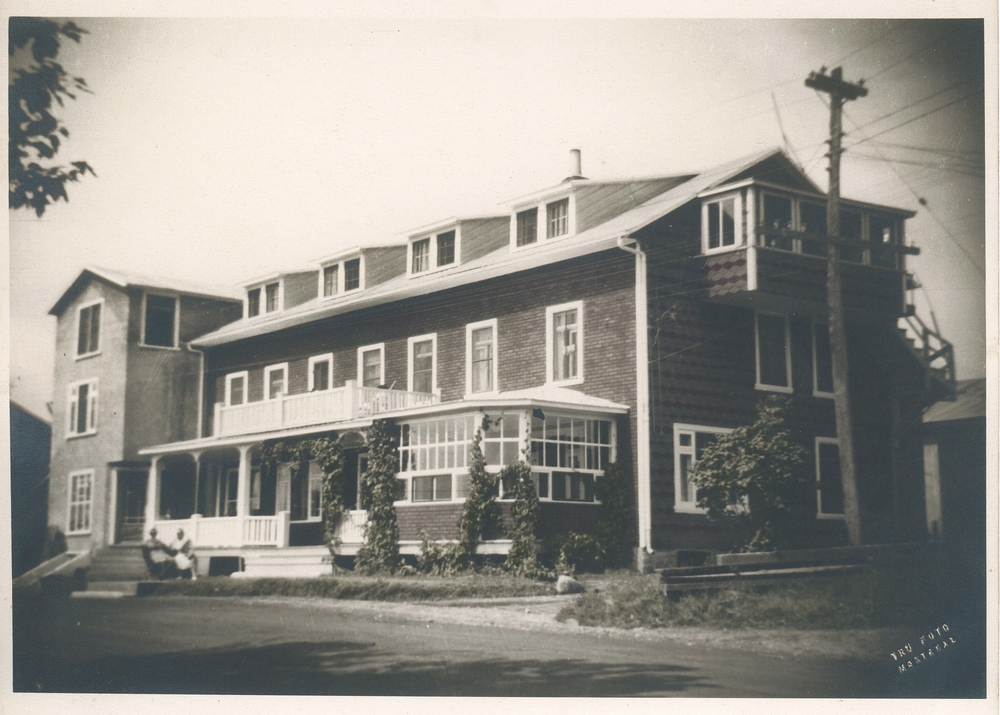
(342, 404)
(784, 281)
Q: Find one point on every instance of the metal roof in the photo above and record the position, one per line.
(970, 402)
(126, 279)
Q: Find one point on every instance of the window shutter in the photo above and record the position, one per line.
(92, 406)
(73, 396)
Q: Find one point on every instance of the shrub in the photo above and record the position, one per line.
(380, 552)
(580, 553)
(480, 511)
(753, 474)
(441, 559)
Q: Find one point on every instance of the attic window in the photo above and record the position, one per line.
(271, 303)
(271, 295)
(557, 218)
(445, 248)
(253, 303)
(421, 256)
(159, 320)
(330, 279)
(527, 227)
(352, 274)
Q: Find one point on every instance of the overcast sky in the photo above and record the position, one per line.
(228, 148)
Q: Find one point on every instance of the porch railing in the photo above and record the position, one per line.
(337, 405)
(225, 531)
(350, 530)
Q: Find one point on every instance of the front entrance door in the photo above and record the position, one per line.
(131, 499)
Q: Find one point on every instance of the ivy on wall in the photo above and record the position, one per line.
(379, 490)
(617, 529)
(523, 556)
(329, 456)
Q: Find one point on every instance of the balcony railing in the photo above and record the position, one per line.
(341, 404)
(228, 531)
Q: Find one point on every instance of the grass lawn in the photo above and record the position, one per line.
(866, 599)
(365, 588)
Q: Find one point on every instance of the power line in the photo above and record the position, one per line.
(913, 104)
(877, 39)
(927, 165)
(922, 201)
(909, 121)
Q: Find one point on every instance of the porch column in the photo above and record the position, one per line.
(243, 485)
(152, 494)
(197, 480)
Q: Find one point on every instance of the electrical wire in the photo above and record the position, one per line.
(910, 121)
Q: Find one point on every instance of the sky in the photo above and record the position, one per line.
(229, 148)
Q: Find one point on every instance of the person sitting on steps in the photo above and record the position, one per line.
(157, 556)
(185, 558)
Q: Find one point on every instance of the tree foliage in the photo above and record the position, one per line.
(329, 457)
(522, 559)
(379, 490)
(33, 130)
(481, 511)
(753, 473)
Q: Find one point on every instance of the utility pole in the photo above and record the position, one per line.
(840, 92)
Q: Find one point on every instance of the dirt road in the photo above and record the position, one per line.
(313, 646)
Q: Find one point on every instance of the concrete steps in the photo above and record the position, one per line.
(299, 562)
(119, 563)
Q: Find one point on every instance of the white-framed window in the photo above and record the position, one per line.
(721, 223)
(82, 408)
(81, 499)
(689, 444)
(330, 276)
(777, 211)
(236, 388)
(432, 487)
(481, 357)
(533, 223)
(160, 320)
(774, 353)
(354, 276)
(371, 365)
(341, 276)
(568, 456)
(434, 251)
(320, 372)
(822, 361)
(227, 481)
(264, 299)
(557, 218)
(88, 329)
(275, 381)
(564, 344)
(421, 361)
(829, 488)
(526, 226)
(420, 255)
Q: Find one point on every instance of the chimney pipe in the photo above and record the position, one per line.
(575, 164)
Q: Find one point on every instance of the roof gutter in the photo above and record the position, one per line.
(642, 395)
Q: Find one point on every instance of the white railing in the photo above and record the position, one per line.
(219, 531)
(350, 530)
(312, 408)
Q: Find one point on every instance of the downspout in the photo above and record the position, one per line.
(642, 395)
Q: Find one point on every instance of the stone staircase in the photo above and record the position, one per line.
(115, 571)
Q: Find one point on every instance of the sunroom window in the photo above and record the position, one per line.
(777, 214)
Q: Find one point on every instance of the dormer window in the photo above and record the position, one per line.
(421, 256)
(340, 277)
(445, 248)
(352, 274)
(557, 218)
(331, 280)
(269, 302)
(527, 227)
(434, 251)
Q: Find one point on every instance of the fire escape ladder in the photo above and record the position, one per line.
(935, 353)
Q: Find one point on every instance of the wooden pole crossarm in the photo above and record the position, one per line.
(838, 240)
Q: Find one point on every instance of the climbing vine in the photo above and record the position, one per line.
(379, 489)
(329, 456)
(616, 530)
(523, 556)
(481, 510)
